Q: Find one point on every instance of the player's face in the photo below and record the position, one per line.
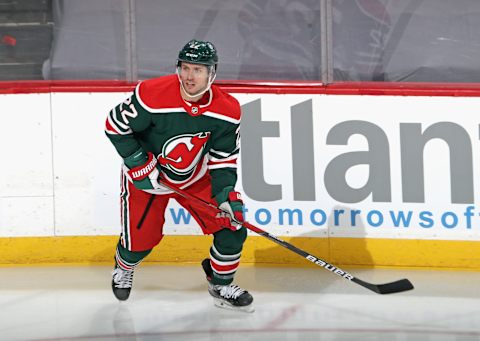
(194, 77)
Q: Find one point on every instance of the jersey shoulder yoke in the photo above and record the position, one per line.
(224, 105)
(159, 93)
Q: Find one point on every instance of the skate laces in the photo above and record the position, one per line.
(123, 278)
(230, 291)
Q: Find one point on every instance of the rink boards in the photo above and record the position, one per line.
(357, 179)
(378, 252)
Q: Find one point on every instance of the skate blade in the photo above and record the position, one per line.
(224, 305)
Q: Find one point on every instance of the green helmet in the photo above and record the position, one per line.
(198, 52)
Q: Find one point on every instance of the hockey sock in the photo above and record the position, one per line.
(128, 260)
(225, 254)
(223, 266)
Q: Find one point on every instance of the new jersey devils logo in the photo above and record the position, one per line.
(181, 153)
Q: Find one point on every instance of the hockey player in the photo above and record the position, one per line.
(183, 130)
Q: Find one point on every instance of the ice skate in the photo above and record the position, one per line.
(122, 281)
(228, 296)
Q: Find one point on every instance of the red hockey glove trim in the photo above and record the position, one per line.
(238, 216)
(235, 196)
(141, 172)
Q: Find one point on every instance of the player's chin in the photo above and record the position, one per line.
(191, 89)
(195, 90)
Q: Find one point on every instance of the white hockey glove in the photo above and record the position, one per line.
(231, 205)
(144, 170)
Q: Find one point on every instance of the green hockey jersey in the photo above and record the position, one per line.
(188, 139)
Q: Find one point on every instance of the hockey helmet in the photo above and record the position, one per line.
(198, 52)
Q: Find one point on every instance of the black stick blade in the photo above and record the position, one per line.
(387, 288)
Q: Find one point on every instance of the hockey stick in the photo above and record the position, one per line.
(387, 288)
(145, 211)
